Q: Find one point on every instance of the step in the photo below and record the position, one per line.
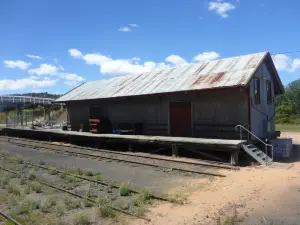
(257, 154)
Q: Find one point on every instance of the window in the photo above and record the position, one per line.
(257, 90)
(269, 91)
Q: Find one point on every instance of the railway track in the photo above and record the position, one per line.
(99, 182)
(157, 162)
(72, 193)
(8, 218)
(204, 163)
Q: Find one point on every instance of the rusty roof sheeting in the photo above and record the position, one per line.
(235, 71)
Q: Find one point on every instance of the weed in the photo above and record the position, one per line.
(142, 198)
(26, 206)
(89, 173)
(70, 179)
(41, 162)
(62, 175)
(231, 220)
(59, 211)
(19, 160)
(124, 189)
(27, 189)
(71, 203)
(78, 172)
(12, 202)
(99, 177)
(140, 211)
(4, 180)
(46, 206)
(36, 186)
(53, 171)
(105, 211)
(23, 180)
(123, 204)
(81, 219)
(31, 174)
(12, 188)
(87, 203)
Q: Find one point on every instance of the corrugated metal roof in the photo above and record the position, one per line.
(235, 71)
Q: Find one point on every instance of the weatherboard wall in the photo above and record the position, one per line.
(211, 110)
(263, 112)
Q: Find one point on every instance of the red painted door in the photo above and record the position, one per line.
(180, 119)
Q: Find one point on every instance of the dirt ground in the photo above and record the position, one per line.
(257, 195)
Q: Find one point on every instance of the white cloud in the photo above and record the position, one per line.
(124, 29)
(25, 83)
(281, 61)
(295, 64)
(175, 59)
(133, 25)
(71, 78)
(34, 57)
(75, 53)
(17, 64)
(96, 59)
(221, 8)
(285, 63)
(44, 69)
(206, 56)
(120, 67)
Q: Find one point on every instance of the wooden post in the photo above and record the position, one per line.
(234, 158)
(130, 149)
(6, 117)
(174, 150)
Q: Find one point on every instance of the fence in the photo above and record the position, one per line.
(37, 117)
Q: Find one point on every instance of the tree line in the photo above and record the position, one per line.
(288, 104)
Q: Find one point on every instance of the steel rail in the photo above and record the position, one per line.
(74, 194)
(124, 160)
(10, 218)
(209, 164)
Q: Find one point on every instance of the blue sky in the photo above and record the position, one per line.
(55, 45)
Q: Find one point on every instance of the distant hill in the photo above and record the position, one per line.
(40, 95)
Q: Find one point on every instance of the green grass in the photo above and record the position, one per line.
(287, 128)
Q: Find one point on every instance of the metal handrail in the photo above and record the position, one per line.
(249, 132)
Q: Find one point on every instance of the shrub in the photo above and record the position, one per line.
(124, 189)
(89, 172)
(4, 180)
(19, 160)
